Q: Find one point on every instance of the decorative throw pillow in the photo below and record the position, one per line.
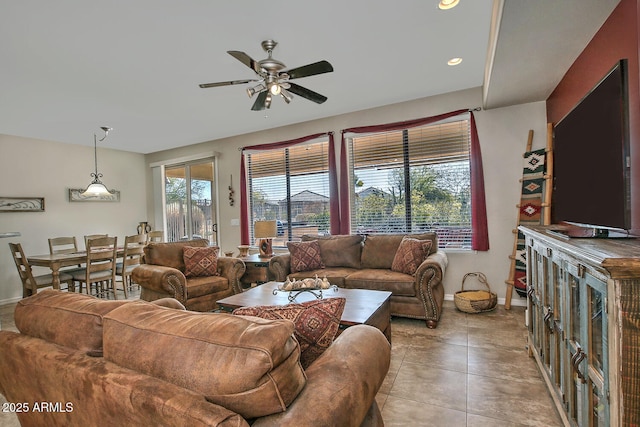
(305, 256)
(410, 255)
(200, 261)
(316, 323)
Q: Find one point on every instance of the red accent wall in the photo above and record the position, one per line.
(619, 37)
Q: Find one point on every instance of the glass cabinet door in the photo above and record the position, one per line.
(597, 359)
(587, 394)
(557, 349)
(546, 288)
(536, 324)
(573, 377)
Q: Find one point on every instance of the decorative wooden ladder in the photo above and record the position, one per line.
(534, 207)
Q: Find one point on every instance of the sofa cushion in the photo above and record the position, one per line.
(410, 254)
(248, 365)
(399, 284)
(170, 254)
(335, 275)
(379, 250)
(201, 286)
(305, 256)
(67, 319)
(316, 323)
(169, 302)
(339, 251)
(200, 261)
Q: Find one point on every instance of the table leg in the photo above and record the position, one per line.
(55, 273)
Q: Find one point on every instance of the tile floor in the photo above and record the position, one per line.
(472, 370)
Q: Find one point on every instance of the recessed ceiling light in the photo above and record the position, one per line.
(448, 4)
(454, 61)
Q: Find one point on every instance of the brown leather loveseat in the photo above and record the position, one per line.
(82, 361)
(163, 275)
(366, 261)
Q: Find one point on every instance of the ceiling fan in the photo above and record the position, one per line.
(274, 79)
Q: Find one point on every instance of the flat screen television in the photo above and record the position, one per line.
(591, 165)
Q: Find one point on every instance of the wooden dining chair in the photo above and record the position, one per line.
(31, 283)
(100, 269)
(65, 245)
(92, 236)
(131, 258)
(155, 236)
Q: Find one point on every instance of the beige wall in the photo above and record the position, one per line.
(30, 167)
(503, 135)
(47, 169)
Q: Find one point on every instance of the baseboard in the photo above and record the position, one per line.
(9, 301)
(520, 302)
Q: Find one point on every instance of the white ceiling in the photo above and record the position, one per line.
(71, 66)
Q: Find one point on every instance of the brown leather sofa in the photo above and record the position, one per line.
(364, 262)
(162, 275)
(82, 361)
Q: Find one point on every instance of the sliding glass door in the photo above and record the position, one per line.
(190, 209)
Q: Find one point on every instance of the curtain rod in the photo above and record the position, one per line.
(330, 133)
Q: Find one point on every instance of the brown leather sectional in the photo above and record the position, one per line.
(97, 362)
(364, 262)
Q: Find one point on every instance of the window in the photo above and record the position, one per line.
(189, 210)
(413, 180)
(291, 186)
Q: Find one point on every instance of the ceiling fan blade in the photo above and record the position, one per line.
(260, 101)
(245, 59)
(229, 83)
(319, 67)
(307, 93)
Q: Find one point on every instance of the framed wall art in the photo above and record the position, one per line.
(21, 204)
(75, 195)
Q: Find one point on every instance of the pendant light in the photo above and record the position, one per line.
(96, 187)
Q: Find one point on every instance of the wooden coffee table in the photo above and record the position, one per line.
(362, 306)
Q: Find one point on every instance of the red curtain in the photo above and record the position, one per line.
(480, 236)
(244, 203)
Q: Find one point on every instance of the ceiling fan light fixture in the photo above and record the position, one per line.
(454, 61)
(273, 78)
(447, 4)
(256, 89)
(286, 95)
(275, 89)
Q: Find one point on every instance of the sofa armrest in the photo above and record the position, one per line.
(429, 283)
(232, 269)
(341, 384)
(161, 280)
(280, 267)
(437, 261)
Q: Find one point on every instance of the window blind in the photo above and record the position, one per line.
(291, 186)
(413, 180)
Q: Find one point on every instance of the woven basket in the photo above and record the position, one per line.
(475, 301)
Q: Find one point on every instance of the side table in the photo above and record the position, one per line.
(257, 271)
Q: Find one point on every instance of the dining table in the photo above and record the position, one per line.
(56, 261)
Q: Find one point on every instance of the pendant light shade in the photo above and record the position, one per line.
(96, 187)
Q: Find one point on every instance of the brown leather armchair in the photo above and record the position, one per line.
(162, 276)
